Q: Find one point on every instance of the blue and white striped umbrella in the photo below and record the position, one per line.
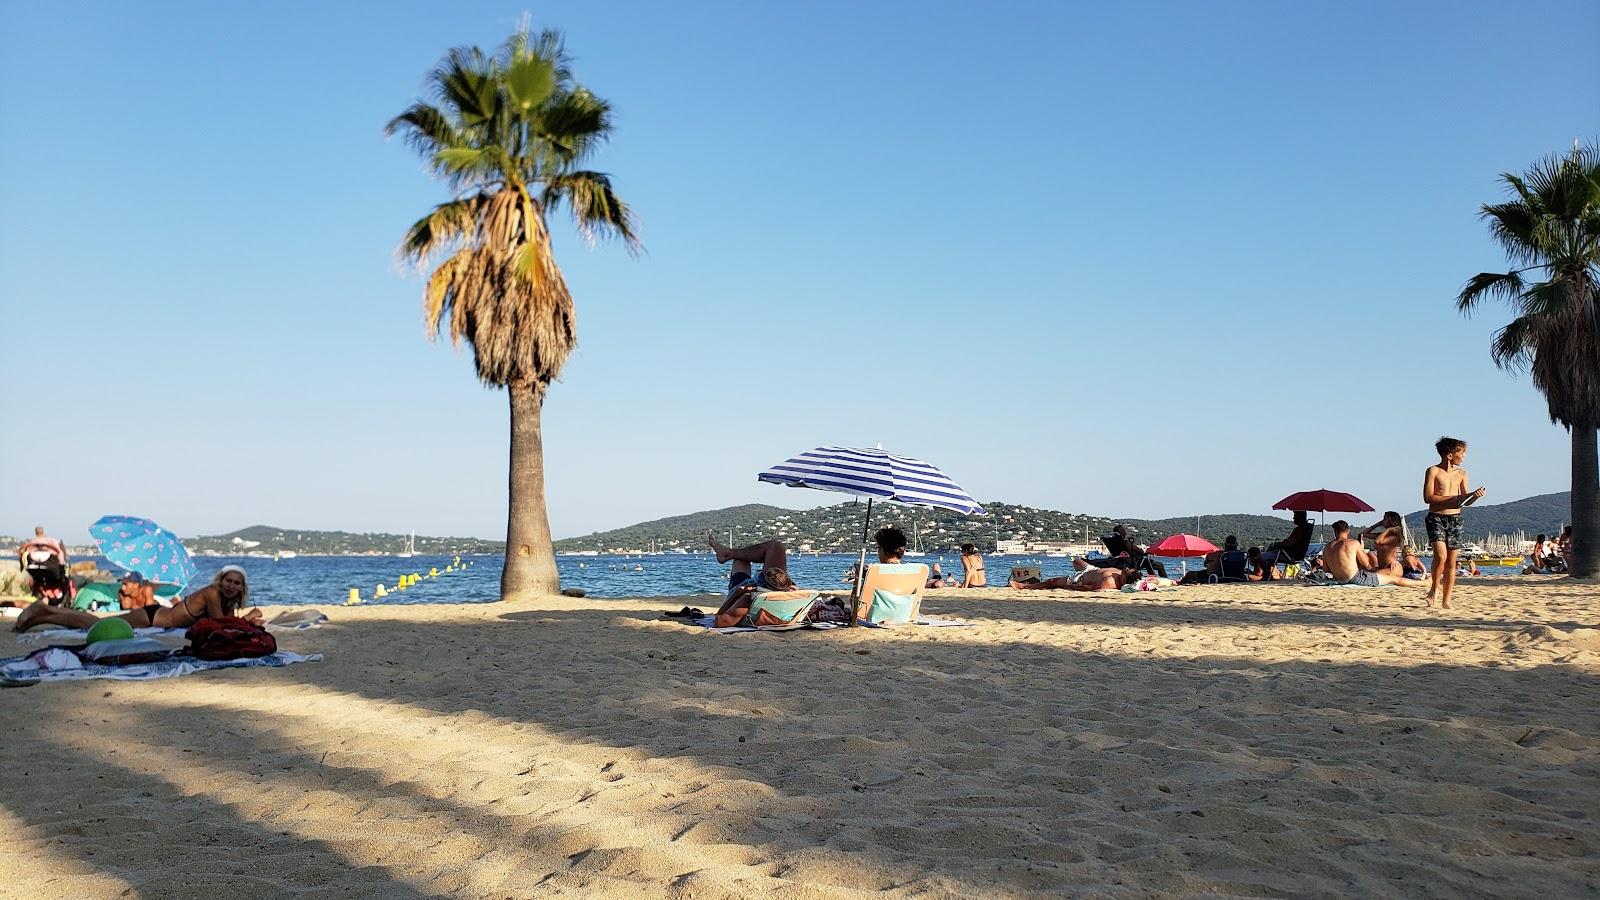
(873, 473)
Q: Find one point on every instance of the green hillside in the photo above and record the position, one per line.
(838, 528)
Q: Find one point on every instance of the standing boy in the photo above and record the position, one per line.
(1444, 489)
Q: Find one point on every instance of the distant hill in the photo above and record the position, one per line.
(1532, 515)
(271, 539)
(838, 528)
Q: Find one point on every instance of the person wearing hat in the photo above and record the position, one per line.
(224, 596)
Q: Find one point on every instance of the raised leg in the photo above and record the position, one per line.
(772, 554)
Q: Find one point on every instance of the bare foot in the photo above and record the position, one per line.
(1428, 598)
(721, 550)
(1446, 604)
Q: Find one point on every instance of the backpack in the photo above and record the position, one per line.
(228, 637)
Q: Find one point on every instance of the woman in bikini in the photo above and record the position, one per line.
(972, 567)
(227, 593)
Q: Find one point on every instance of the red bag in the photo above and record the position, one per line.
(229, 637)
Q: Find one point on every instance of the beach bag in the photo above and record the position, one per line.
(779, 609)
(229, 637)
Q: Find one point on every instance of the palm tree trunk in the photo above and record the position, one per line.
(530, 569)
(1585, 504)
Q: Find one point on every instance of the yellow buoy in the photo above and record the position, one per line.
(433, 573)
(379, 592)
(355, 597)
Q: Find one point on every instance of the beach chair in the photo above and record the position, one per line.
(891, 594)
(1230, 567)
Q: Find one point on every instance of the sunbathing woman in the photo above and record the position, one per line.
(1087, 579)
(227, 593)
(972, 567)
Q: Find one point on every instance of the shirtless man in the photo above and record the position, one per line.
(1088, 578)
(1388, 538)
(1444, 489)
(1349, 563)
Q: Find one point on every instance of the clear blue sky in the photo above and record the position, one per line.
(958, 231)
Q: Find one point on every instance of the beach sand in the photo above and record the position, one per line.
(1244, 740)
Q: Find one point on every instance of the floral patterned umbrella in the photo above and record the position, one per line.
(142, 546)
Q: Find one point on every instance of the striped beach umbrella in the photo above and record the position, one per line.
(875, 474)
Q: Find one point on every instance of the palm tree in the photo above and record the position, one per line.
(1550, 228)
(509, 134)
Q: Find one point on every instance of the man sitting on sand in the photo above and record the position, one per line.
(1349, 563)
(1088, 578)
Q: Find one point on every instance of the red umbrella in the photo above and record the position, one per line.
(1323, 501)
(1182, 545)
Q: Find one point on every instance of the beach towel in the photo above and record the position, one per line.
(288, 621)
(29, 670)
(710, 624)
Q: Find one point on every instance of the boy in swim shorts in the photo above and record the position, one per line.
(1444, 489)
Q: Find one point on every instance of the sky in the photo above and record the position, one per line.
(1142, 260)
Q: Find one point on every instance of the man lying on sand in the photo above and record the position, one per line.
(1088, 579)
(742, 582)
(1350, 563)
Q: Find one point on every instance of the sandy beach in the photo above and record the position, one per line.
(1243, 740)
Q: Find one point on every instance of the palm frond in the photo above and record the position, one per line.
(574, 123)
(426, 129)
(1514, 345)
(595, 207)
(442, 230)
(1506, 286)
(464, 82)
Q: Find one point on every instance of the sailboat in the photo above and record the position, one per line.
(916, 540)
(411, 546)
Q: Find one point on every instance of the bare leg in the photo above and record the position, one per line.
(1049, 584)
(40, 613)
(771, 554)
(1449, 577)
(1439, 552)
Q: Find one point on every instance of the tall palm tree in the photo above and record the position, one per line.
(1550, 229)
(509, 133)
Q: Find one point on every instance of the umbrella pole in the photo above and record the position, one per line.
(861, 566)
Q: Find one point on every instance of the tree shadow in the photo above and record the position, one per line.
(936, 760)
(1199, 606)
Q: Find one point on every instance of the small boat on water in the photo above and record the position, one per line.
(1499, 560)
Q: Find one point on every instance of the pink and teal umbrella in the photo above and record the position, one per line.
(140, 545)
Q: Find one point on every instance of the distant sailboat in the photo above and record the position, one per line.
(411, 546)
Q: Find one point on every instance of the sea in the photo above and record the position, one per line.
(329, 579)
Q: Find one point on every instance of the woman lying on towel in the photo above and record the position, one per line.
(1088, 578)
(227, 593)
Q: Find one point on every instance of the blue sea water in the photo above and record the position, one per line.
(328, 579)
